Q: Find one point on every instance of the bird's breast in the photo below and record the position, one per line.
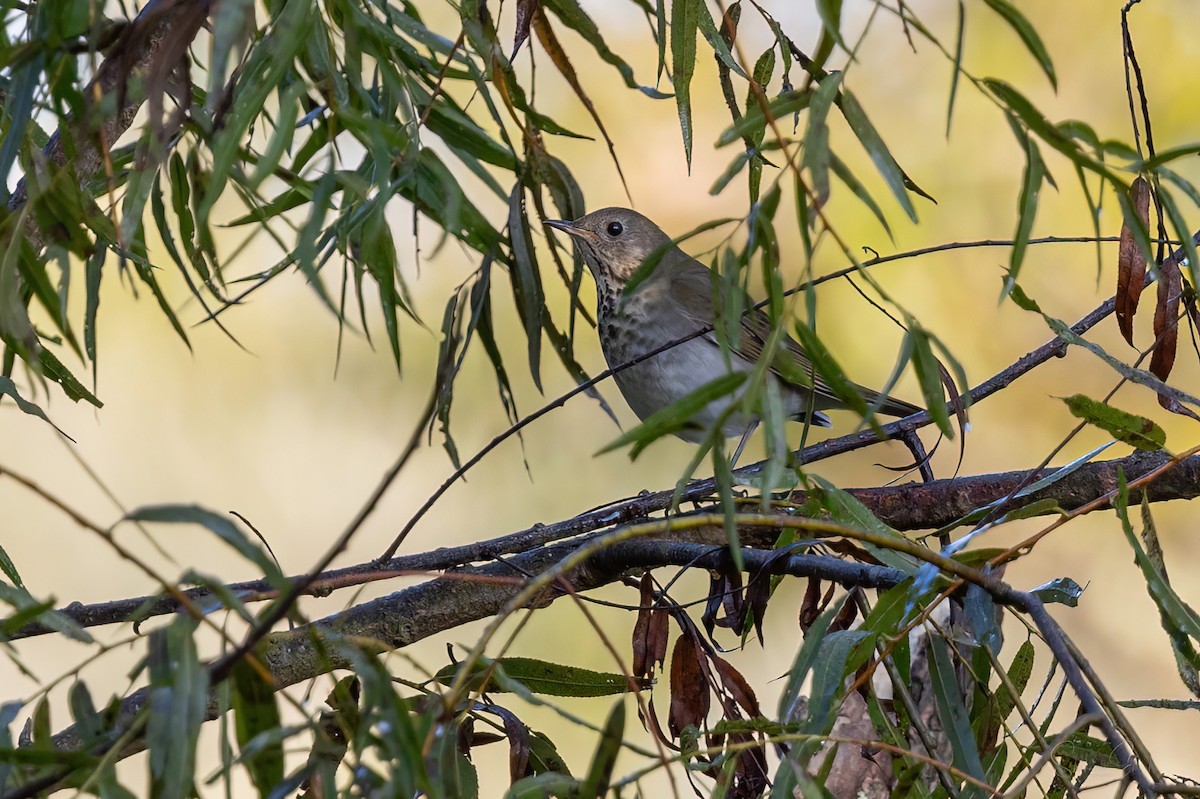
(632, 330)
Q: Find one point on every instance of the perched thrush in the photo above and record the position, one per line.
(673, 302)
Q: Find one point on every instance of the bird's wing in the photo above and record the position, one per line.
(692, 289)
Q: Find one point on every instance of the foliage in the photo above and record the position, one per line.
(139, 140)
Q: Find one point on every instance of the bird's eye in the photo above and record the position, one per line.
(615, 229)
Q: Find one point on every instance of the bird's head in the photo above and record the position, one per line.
(614, 242)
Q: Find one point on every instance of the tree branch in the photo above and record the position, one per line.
(912, 506)
(477, 592)
(143, 58)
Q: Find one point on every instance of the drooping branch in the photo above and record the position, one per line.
(138, 67)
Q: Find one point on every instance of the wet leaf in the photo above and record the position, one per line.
(1060, 590)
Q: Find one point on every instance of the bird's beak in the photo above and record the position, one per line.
(570, 228)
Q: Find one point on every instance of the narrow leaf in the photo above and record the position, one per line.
(1131, 257)
(1132, 429)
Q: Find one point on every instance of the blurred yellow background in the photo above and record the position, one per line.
(270, 431)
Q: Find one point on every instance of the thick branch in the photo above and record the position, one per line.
(473, 593)
(913, 506)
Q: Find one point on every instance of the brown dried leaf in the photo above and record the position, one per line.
(738, 688)
(518, 747)
(712, 603)
(690, 698)
(1131, 261)
(1166, 330)
(846, 615)
(641, 627)
(554, 49)
(851, 551)
(809, 608)
(1166, 319)
(659, 634)
(729, 23)
(526, 9)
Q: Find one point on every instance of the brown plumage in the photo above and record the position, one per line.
(676, 300)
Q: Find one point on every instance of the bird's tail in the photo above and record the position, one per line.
(888, 406)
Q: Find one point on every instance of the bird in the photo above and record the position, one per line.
(674, 302)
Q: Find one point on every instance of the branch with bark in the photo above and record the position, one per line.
(471, 590)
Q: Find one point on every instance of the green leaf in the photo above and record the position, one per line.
(1064, 331)
(573, 15)
(845, 508)
(1086, 749)
(957, 70)
(9, 388)
(859, 190)
(1047, 131)
(1178, 619)
(830, 12)
(684, 22)
(256, 712)
(823, 362)
(1060, 590)
(230, 30)
(1019, 672)
(537, 676)
(1029, 36)
(217, 524)
(873, 143)
(1027, 205)
(952, 710)
(455, 773)
(544, 757)
(53, 369)
(177, 703)
(1138, 431)
(30, 610)
(526, 281)
(817, 156)
(929, 377)
(756, 120)
(708, 28)
(540, 786)
(677, 415)
(281, 138)
(269, 60)
(829, 677)
(595, 784)
(789, 700)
